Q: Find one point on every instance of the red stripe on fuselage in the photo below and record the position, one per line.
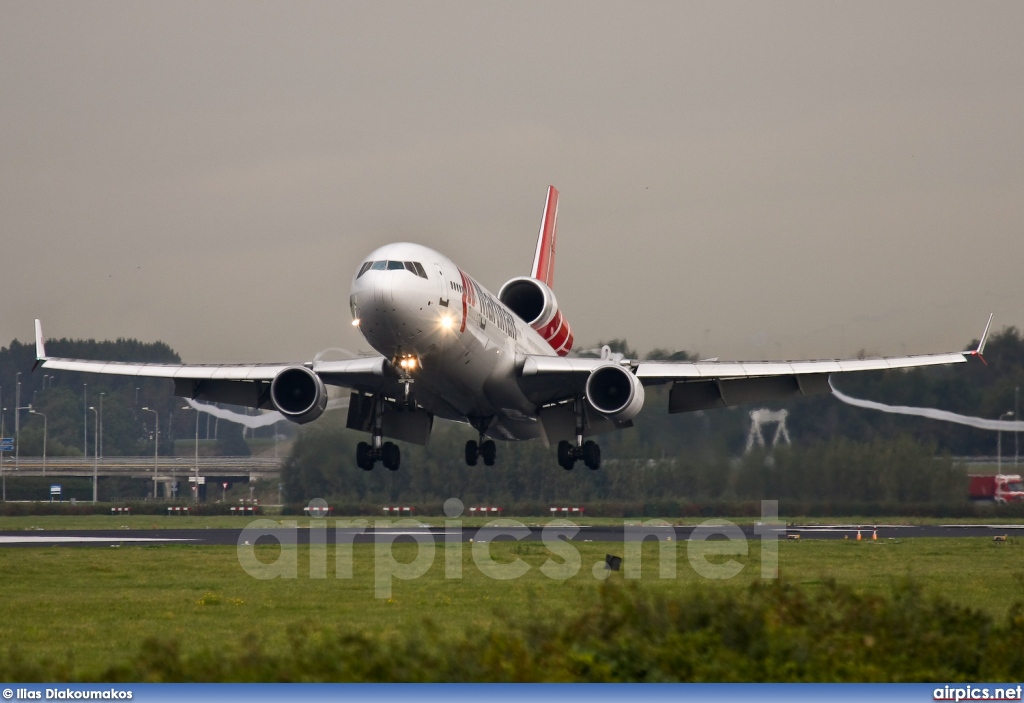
(465, 304)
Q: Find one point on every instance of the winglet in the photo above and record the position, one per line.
(544, 258)
(984, 338)
(40, 346)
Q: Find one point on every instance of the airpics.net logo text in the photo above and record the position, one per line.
(711, 548)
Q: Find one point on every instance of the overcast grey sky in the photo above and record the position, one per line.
(747, 179)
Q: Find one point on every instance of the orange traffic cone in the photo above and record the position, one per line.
(874, 535)
(858, 536)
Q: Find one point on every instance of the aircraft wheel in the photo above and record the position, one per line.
(363, 460)
(472, 452)
(391, 456)
(489, 452)
(592, 455)
(565, 457)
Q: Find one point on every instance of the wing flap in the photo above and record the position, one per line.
(688, 396)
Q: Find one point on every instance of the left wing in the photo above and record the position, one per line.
(702, 385)
(237, 384)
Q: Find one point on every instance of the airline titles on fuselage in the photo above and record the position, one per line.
(474, 296)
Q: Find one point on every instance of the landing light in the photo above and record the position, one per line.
(447, 321)
(408, 363)
(355, 322)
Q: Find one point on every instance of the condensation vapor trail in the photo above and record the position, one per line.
(943, 415)
(255, 421)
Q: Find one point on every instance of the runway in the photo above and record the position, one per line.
(333, 535)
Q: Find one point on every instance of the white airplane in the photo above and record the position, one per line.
(450, 348)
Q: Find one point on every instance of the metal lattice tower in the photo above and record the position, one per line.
(761, 417)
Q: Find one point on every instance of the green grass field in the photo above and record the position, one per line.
(79, 610)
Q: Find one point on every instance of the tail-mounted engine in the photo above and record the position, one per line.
(298, 394)
(615, 392)
(535, 303)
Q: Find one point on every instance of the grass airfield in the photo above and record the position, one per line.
(78, 611)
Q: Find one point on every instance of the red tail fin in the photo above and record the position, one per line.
(544, 259)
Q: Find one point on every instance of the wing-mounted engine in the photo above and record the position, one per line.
(534, 302)
(298, 394)
(615, 392)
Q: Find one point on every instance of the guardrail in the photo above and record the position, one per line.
(1007, 460)
(148, 461)
(142, 465)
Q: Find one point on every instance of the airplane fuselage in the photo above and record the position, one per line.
(452, 336)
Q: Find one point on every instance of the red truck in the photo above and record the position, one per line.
(1001, 488)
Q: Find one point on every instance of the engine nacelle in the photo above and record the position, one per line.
(298, 394)
(615, 392)
(535, 304)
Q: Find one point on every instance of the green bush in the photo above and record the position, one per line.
(767, 632)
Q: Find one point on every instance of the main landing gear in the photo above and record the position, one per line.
(387, 452)
(484, 449)
(588, 451)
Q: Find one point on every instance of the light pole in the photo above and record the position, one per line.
(3, 469)
(101, 423)
(17, 420)
(95, 455)
(36, 412)
(85, 420)
(189, 407)
(999, 443)
(156, 446)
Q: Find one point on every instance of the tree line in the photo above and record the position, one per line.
(119, 426)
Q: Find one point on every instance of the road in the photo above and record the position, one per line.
(232, 537)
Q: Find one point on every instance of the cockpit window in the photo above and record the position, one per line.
(413, 267)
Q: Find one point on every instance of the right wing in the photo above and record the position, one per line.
(247, 385)
(702, 385)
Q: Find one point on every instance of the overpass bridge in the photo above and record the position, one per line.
(164, 469)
